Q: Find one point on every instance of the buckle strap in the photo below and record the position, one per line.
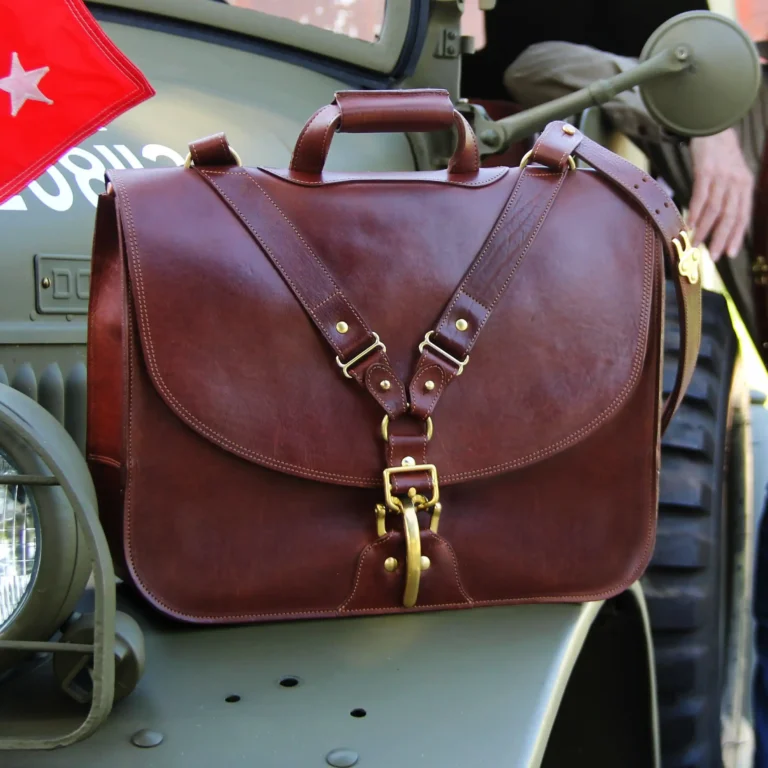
(445, 351)
(341, 324)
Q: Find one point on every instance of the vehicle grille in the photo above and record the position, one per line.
(59, 386)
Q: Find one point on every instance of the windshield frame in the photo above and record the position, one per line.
(392, 57)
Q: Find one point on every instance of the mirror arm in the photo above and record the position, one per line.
(497, 135)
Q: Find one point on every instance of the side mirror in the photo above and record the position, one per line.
(698, 74)
(717, 88)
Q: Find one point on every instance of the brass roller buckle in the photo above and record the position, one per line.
(407, 507)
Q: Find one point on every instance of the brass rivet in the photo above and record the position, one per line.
(408, 461)
(425, 562)
(390, 564)
(46, 282)
(342, 327)
(462, 324)
(385, 385)
(569, 129)
(429, 385)
(412, 492)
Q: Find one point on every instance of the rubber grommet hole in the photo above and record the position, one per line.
(289, 682)
(358, 712)
(233, 698)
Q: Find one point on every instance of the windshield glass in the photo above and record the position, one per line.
(360, 19)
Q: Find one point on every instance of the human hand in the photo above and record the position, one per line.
(723, 185)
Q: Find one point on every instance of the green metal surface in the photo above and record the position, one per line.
(720, 85)
(447, 689)
(379, 57)
(25, 420)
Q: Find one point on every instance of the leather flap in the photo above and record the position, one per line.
(233, 354)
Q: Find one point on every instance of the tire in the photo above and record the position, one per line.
(687, 584)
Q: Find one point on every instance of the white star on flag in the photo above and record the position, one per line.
(22, 85)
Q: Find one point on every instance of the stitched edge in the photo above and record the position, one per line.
(361, 481)
(164, 390)
(477, 262)
(369, 385)
(455, 559)
(363, 556)
(281, 174)
(136, 96)
(637, 361)
(297, 152)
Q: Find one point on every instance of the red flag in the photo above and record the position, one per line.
(61, 79)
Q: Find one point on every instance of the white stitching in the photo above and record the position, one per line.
(160, 382)
(640, 347)
(281, 174)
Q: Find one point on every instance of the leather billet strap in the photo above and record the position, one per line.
(325, 302)
(332, 313)
(385, 112)
(472, 304)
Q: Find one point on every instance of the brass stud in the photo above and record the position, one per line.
(385, 385)
(408, 461)
(462, 324)
(390, 564)
(429, 385)
(412, 492)
(342, 327)
(46, 282)
(569, 129)
(425, 562)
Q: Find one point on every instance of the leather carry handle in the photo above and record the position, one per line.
(384, 112)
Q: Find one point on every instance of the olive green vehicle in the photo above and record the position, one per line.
(91, 677)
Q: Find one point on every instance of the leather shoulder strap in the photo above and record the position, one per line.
(559, 141)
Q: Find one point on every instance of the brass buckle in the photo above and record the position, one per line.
(238, 162)
(385, 428)
(394, 503)
(345, 366)
(688, 258)
(407, 508)
(458, 363)
(529, 153)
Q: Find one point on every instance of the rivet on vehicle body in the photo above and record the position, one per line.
(569, 129)
(342, 758)
(46, 282)
(146, 738)
(390, 564)
(408, 461)
(429, 385)
(385, 385)
(425, 562)
(342, 327)
(462, 324)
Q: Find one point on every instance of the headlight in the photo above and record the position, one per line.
(19, 534)
(44, 563)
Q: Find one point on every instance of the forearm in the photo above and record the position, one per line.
(546, 71)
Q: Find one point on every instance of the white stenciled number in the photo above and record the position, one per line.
(87, 168)
(153, 151)
(84, 176)
(62, 201)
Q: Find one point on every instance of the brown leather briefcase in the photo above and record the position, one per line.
(318, 394)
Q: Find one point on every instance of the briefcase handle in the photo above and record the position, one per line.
(422, 109)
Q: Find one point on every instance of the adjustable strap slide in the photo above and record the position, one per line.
(445, 351)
